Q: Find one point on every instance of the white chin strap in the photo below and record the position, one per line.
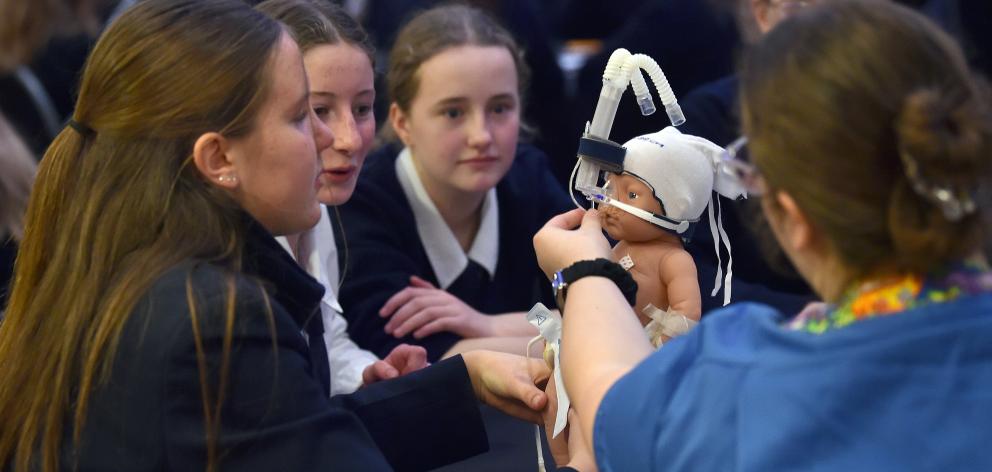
(679, 228)
(716, 229)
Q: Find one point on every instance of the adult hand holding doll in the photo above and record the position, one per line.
(605, 339)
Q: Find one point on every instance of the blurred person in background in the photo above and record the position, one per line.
(43, 45)
(761, 271)
(694, 42)
(17, 169)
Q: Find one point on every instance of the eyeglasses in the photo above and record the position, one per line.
(792, 4)
(787, 8)
(737, 166)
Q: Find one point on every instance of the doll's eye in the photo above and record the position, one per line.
(631, 195)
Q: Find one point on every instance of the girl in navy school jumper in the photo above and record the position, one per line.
(437, 239)
(338, 59)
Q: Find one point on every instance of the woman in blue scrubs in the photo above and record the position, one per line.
(870, 143)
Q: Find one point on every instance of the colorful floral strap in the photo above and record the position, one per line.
(892, 296)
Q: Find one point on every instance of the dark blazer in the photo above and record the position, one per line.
(276, 415)
(384, 249)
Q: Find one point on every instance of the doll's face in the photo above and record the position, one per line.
(623, 226)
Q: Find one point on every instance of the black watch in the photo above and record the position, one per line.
(596, 267)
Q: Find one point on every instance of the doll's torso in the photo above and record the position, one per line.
(647, 260)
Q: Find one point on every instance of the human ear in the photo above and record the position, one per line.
(211, 157)
(797, 230)
(400, 123)
(761, 9)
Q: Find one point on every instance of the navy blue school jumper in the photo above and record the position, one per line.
(384, 249)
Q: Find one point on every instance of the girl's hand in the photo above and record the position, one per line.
(402, 360)
(509, 382)
(423, 309)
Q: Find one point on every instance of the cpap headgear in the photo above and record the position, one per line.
(596, 152)
(683, 171)
(680, 176)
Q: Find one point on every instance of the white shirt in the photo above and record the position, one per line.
(319, 257)
(445, 254)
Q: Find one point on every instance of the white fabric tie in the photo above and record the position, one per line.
(718, 233)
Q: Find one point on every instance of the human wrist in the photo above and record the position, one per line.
(581, 461)
(599, 267)
(513, 324)
(471, 360)
(578, 466)
(488, 325)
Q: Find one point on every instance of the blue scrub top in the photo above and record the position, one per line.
(911, 391)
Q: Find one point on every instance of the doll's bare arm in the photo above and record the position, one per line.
(678, 272)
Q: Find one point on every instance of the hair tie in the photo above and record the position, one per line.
(83, 130)
(954, 204)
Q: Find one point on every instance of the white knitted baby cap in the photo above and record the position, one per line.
(682, 176)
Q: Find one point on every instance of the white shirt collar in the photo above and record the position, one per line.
(443, 250)
(319, 256)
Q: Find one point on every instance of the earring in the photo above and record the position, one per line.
(227, 179)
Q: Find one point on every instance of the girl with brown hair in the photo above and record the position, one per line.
(870, 142)
(440, 228)
(155, 323)
(338, 56)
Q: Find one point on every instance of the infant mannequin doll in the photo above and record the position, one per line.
(652, 207)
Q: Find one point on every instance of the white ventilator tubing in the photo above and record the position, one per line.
(585, 175)
(622, 68)
(615, 80)
(661, 84)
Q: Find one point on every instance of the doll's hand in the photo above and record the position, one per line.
(423, 309)
(402, 360)
(580, 455)
(557, 445)
(559, 243)
(568, 448)
(508, 382)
